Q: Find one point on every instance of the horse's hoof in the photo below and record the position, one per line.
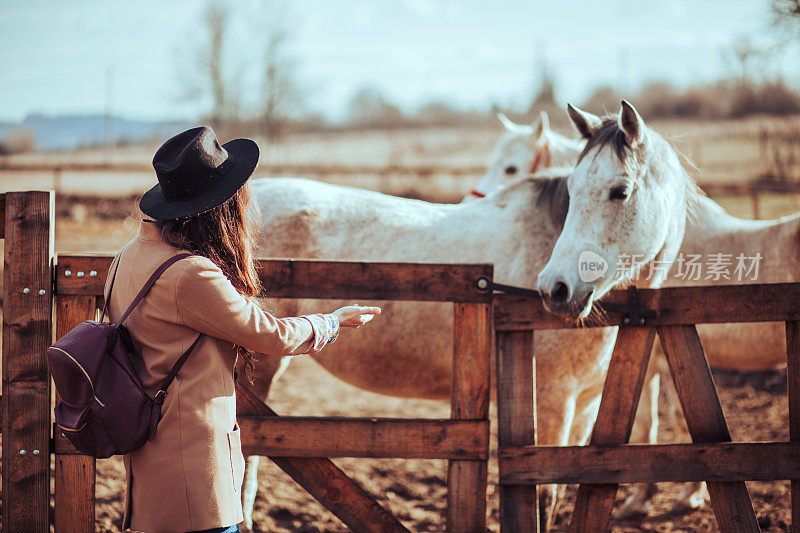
(692, 503)
(633, 511)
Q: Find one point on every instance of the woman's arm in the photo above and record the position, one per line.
(209, 303)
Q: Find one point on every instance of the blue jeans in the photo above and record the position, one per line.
(229, 529)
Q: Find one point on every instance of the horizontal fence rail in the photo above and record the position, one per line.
(365, 437)
(285, 278)
(726, 461)
(314, 169)
(768, 302)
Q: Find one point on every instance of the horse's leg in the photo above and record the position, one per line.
(267, 370)
(694, 494)
(644, 431)
(555, 412)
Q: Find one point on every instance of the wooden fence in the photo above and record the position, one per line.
(672, 314)
(301, 446)
(753, 188)
(35, 279)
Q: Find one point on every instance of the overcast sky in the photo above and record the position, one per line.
(55, 55)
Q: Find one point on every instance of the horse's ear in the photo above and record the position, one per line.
(542, 126)
(631, 123)
(586, 123)
(507, 122)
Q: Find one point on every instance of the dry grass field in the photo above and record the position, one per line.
(102, 216)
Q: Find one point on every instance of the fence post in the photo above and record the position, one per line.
(467, 480)
(793, 392)
(75, 474)
(27, 332)
(621, 390)
(706, 422)
(516, 423)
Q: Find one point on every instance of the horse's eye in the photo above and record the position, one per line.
(511, 170)
(619, 192)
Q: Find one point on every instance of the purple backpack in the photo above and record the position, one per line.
(103, 409)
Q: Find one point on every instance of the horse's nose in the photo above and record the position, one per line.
(560, 293)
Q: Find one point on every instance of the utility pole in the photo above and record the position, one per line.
(108, 134)
(623, 71)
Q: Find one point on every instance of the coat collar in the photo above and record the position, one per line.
(149, 232)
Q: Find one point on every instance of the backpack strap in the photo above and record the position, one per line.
(150, 282)
(110, 288)
(162, 391)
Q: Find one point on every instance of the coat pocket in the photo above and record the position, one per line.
(237, 459)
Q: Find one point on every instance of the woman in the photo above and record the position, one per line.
(188, 478)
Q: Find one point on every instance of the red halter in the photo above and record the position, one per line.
(542, 159)
(477, 194)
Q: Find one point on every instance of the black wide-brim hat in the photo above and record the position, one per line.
(195, 173)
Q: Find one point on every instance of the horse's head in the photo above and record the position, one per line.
(628, 197)
(524, 150)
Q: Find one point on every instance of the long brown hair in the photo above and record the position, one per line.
(226, 235)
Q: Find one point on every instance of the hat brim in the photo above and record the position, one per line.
(244, 155)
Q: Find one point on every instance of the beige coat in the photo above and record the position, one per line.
(189, 476)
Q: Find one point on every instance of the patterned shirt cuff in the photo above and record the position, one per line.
(333, 324)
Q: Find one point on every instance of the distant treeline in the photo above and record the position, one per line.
(723, 99)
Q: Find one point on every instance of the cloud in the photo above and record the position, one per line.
(425, 8)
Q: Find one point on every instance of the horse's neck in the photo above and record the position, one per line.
(511, 228)
(710, 230)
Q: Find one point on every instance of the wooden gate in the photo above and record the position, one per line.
(301, 446)
(672, 314)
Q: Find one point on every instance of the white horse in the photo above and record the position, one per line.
(520, 151)
(410, 353)
(525, 150)
(774, 247)
(629, 202)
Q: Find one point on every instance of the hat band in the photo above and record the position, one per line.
(199, 187)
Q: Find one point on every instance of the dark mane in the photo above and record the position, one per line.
(554, 197)
(608, 134)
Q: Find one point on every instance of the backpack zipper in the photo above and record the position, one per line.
(84, 373)
(72, 429)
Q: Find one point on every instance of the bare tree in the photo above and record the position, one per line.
(369, 107)
(746, 57)
(281, 95)
(203, 73)
(786, 18)
(545, 97)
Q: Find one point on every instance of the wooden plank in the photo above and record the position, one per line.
(467, 480)
(325, 481)
(83, 274)
(621, 391)
(752, 461)
(2, 216)
(516, 423)
(768, 302)
(75, 473)
(288, 436)
(705, 420)
(793, 390)
(275, 169)
(27, 332)
(288, 278)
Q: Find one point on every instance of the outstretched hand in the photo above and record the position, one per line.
(355, 316)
